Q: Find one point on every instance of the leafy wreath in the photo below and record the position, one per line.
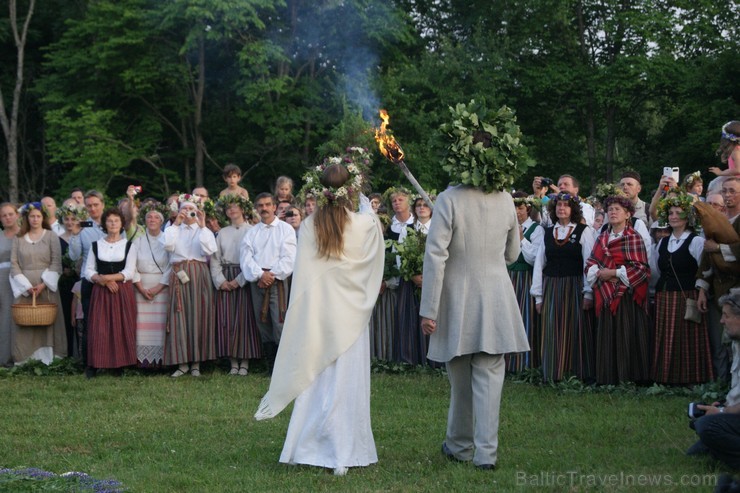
(356, 160)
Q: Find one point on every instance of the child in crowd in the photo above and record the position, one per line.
(284, 189)
(232, 176)
(693, 184)
(729, 149)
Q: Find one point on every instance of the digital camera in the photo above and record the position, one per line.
(694, 412)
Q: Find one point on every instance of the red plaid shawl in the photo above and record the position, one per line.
(628, 251)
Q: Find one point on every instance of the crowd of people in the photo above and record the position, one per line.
(602, 282)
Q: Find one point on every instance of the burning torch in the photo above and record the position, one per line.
(390, 149)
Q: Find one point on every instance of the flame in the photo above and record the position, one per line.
(386, 142)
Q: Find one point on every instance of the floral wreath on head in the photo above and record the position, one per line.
(76, 211)
(356, 160)
(186, 197)
(528, 201)
(727, 135)
(684, 201)
(604, 190)
(26, 208)
(400, 189)
(153, 206)
(225, 201)
(575, 199)
(691, 178)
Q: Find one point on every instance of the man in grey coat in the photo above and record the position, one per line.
(469, 307)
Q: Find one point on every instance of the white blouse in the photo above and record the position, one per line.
(151, 257)
(111, 252)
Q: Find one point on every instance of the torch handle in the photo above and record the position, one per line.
(415, 183)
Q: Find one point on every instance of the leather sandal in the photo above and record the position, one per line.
(177, 373)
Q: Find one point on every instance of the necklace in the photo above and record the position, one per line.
(564, 240)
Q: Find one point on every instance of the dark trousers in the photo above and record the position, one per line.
(86, 288)
(721, 434)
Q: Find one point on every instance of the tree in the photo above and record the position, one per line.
(9, 121)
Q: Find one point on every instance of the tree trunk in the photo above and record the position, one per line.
(611, 138)
(9, 123)
(198, 113)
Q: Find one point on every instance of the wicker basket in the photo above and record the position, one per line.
(35, 314)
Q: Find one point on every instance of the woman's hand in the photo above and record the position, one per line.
(112, 286)
(538, 307)
(37, 289)
(587, 304)
(715, 170)
(701, 301)
(428, 326)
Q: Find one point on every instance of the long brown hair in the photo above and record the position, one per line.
(331, 218)
(26, 226)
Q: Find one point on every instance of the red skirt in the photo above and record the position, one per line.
(111, 329)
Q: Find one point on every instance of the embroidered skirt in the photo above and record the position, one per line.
(151, 323)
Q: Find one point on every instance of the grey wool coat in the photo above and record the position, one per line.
(466, 287)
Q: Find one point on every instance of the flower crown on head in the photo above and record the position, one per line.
(357, 162)
(186, 197)
(26, 208)
(528, 201)
(76, 211)
(676, 198)
(153, 206)
(726, 134)
(566, 196)
(400, 189)
(225, 201)
(691, 178)
(604, 190)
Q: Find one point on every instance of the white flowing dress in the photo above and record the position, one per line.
(330, 425)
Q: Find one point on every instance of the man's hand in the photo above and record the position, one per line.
(428, 326)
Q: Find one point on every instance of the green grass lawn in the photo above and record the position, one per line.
(153, 433)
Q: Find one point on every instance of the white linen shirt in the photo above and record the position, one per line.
(532, 245)
(112, 252)
(189, 242)
(268, 246)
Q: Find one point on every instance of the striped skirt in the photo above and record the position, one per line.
(382, 322)
(567, 344)
(622, 344)
(191, 320)
(410, 344)
(681, 350)
(237, 335)
(151, 323)
(516, 362)
(111, 329)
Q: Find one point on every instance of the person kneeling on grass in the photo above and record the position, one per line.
(719, 427)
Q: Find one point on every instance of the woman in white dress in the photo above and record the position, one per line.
(324, 357)
(151, 280)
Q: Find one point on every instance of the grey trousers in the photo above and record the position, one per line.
(476, 381)
(270, 330)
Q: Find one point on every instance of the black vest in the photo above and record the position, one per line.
(564, 260)
(106, 268)
(683, 262)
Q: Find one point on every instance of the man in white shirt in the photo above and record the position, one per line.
(267, 256)
(569, 184)
(51, 209)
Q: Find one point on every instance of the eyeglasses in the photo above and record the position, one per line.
(726, 191)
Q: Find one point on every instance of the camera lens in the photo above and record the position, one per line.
(192, 214)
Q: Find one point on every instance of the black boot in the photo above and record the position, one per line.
(269, 351)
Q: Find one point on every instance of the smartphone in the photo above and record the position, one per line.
(86, 224)
(673, 172)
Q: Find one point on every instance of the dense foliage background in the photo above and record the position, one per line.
(166, 92)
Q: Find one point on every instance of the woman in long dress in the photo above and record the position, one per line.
(237, 334)
(9, 220)
(324, 357)
(561, 294)
(619, 273)
(682, 353)
(36, 263)
(191, 316)
(520, 272)
(151, 280)
(111, 327)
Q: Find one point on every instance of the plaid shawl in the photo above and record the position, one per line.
(628, 251)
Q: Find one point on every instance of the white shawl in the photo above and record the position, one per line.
(331, 301)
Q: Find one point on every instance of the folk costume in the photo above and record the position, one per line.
(323, 361)
(111, 326)
(682, 351)
(558, 282)
(520, 273)
(7, 325)
(622, 337)
(152, 268)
